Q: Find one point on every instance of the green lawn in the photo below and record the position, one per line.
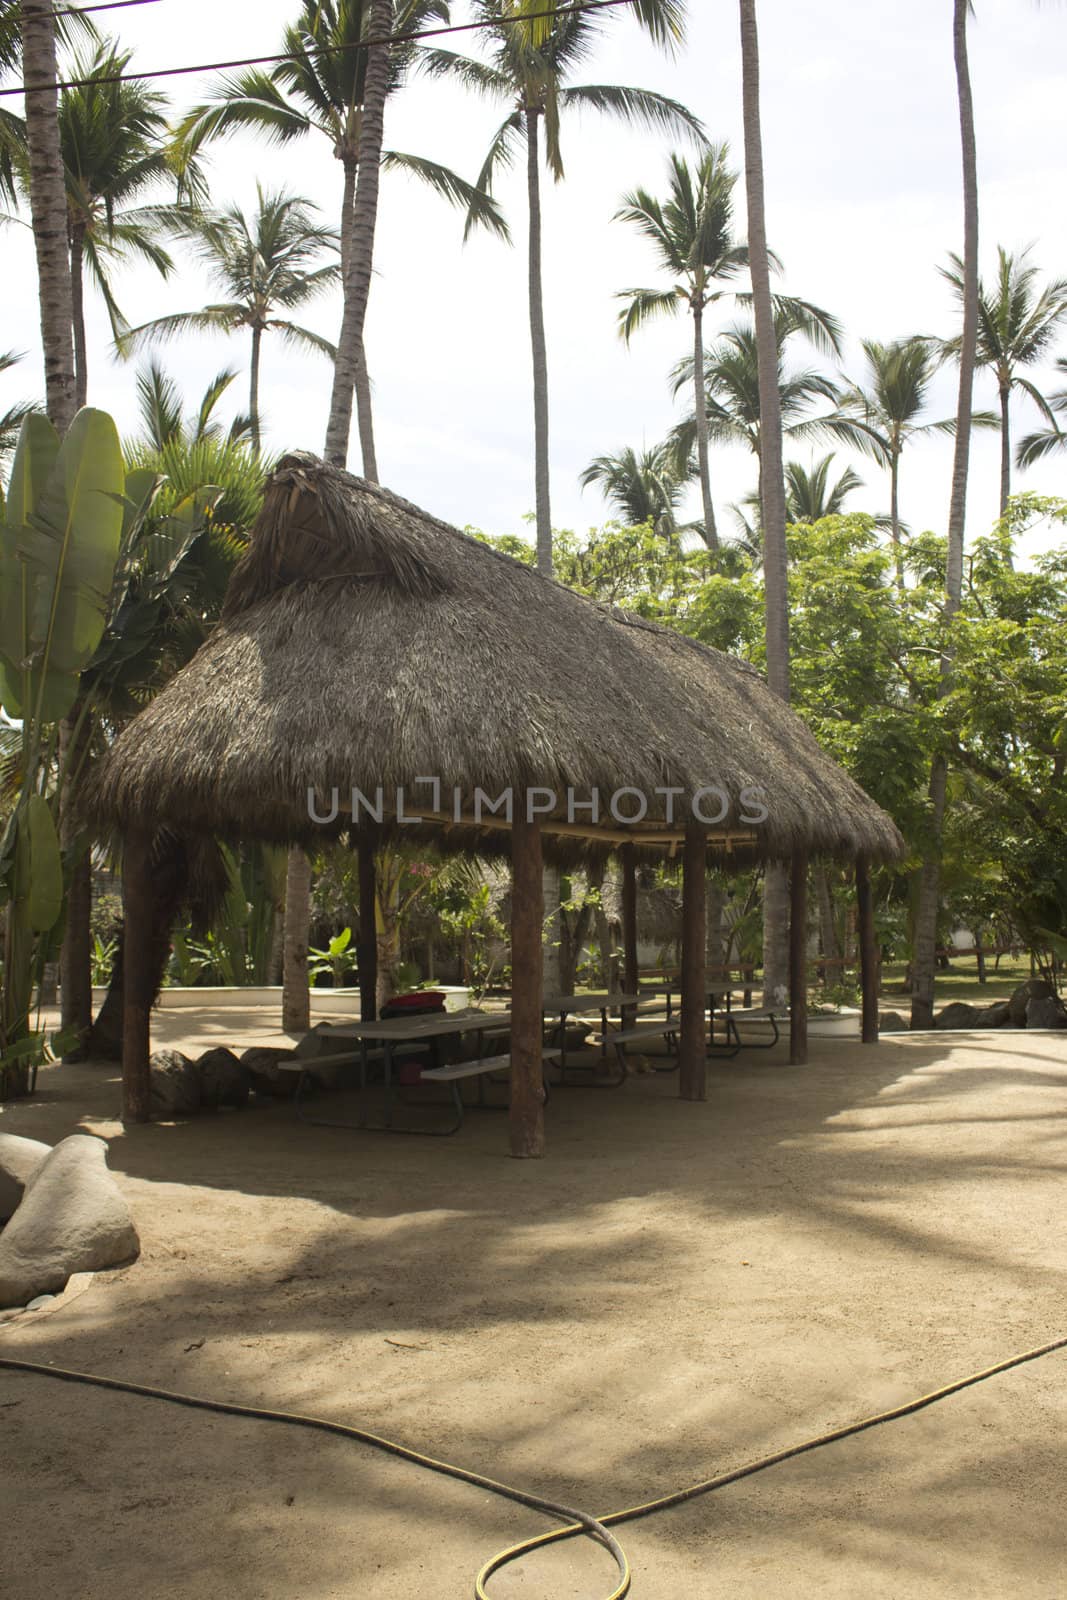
(960, 982)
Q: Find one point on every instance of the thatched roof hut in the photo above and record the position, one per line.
(369, 654)
(364, 644)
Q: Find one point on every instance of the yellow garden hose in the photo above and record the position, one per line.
(575, 1522)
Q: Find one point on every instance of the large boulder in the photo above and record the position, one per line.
(1032, 989)
(1046, 1011)
(997, 1015)
(891, 1022)
(175, 1085)
(957, 1015)
(20, 1160)
(262, 1065)
(73, 1218)
(224, 1080)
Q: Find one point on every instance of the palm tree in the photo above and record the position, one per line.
(692, 234)
(641, 488)
(1016, 326)
(732, 392)
(810, 495)
(883, 416)
(113, 142)
(48, 207)
(320, 89)
(1038, 445)
(528, 71)
(922, 1004)
(266, 265)
(164, 423)
(12, 419)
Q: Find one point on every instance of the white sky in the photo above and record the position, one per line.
(862, 162)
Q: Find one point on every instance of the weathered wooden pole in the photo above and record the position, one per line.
(527, 987)
(367, 946)
(692, 1045)
(868, 952)
(138, 975)
(798, 960)
(630, 979)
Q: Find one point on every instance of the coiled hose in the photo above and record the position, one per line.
(575, 1522)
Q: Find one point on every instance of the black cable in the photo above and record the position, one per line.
(325, 50)
(107, 5)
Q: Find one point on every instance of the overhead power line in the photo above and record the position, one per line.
(410, 37)
(106, 5)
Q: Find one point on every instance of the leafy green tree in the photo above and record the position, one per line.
(1017, 323)
(266, 264)
(319, 89)
(641, 488)
(529, 70)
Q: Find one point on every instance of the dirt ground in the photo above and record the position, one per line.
(675, 1290)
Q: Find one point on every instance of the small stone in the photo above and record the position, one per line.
(41, 1301)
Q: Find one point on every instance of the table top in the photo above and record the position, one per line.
(586, 1002)
(675, 988)
(424, 1025)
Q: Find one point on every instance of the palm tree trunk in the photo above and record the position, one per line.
(253, 386)
(894, 518)
(540, 353)
(364, 414)
(48, 208)
(357, 274)
(77, 301)
(296, 1001)
(772, 484)
(75, 956)
(711, 533)
(1005, 450)
(922, 1004)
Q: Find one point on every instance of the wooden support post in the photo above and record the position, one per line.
(692, 1045)
(630, 979)
(868, 952)
(798, 960)
(138, 976)
(367, 946)
(527, 988)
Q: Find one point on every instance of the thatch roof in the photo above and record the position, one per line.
(365, 643)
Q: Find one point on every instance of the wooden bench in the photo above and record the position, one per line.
(756, 1014)
(667, 1030)
(454, 1072)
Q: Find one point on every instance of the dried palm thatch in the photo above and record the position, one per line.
(365, 644)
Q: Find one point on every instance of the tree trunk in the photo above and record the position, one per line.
(798, 960)
(138, 976)
(715, 900)
(527, 1113)
(692, 1042)
(772, 485)
(922, 1005)
(869, 963)
(296, 999)
(1005, 450)
(539, 352)
(711, 533)
(75, 956)
(253, 386)
(367, 937)
(48, 209)
(775, 932)
(357, 272)
(552, 942)
(894, 518)
(77, 301)
(828, 942)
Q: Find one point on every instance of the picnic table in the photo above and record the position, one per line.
(578, 1005)
(422, 1028)
(715, 999)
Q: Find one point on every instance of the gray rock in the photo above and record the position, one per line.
(20, 1160)
(891, 1022)
(73, 1218)
(957, 1015)
(224, 1081)
(261, 1064)
(175, 1085)
(1032, 989)
(1046, 1011)
(994, 1016)
(41, 1301)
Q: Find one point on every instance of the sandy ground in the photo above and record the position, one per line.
(675, 1290)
